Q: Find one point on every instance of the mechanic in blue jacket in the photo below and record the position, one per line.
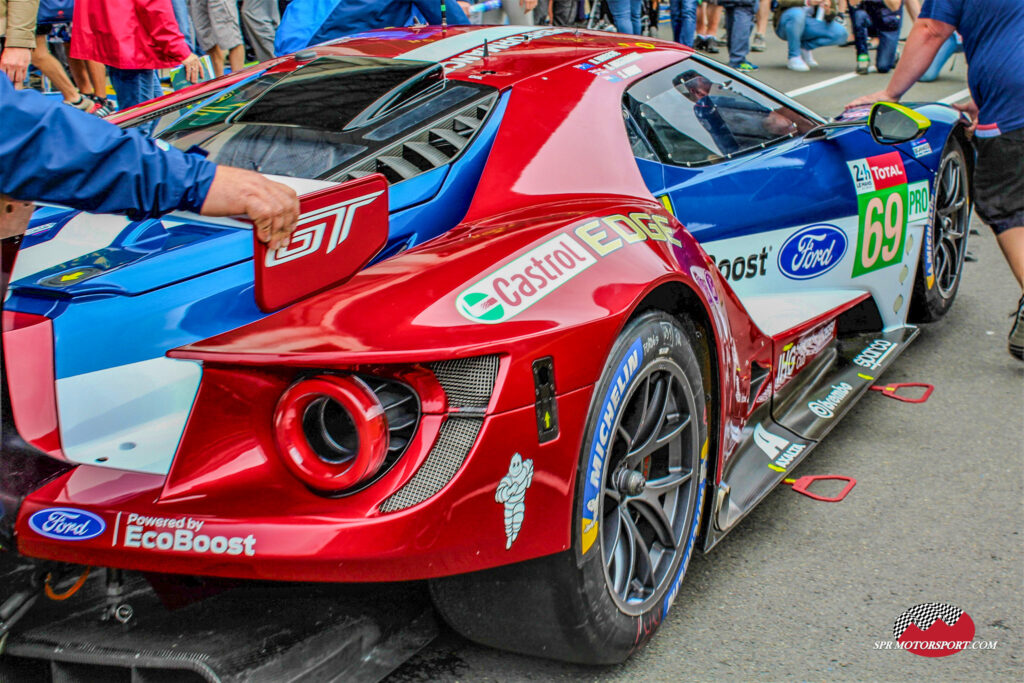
(309, 22)
(54, 153)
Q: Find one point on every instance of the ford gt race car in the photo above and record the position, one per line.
(560, 310)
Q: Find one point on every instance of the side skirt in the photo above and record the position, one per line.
(775, 442)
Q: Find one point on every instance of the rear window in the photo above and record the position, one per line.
(319, 119)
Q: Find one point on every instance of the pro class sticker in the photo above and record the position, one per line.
(67, 524)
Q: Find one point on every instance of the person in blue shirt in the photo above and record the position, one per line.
(309, 22)
(993, 37)
(53, 153)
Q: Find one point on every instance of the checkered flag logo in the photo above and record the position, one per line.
(924, 615)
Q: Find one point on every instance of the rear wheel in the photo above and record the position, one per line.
(942, 255)
(638, 502)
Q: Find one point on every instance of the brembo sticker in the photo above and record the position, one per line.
(180, 534)
(613, 402)
(524, 281)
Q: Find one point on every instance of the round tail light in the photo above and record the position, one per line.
(331, 431)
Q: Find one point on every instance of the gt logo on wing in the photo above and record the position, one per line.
(309, 235)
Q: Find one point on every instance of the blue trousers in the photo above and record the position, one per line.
(626, 14)
(946, 50)
(134, 86)
(872, 16)
(803, 32)
(684, 20)
(739, 22)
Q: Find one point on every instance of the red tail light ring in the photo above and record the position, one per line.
(332, 432)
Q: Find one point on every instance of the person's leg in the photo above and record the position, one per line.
(98, 76)
(1011, 241)
(236, 58)
(887, 23)
(621, 15)
(675, 11)
(128, 85)
(80, 75)
(861, 21)
(217, 58)
(715, 20)
(181, 14)
(53, 70)
(764, 10)
(260, 19)
(741, 23)
(516, 14)
(791, 29)
(819, 33)
(689, 22)
(636, 13)
(946, 50)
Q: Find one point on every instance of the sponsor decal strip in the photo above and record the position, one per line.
(439, 50)
(527, 279)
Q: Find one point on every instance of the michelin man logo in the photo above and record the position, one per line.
(512, 492)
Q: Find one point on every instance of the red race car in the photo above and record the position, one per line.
(561, 309)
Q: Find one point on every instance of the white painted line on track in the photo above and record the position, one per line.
(957, 96)
(821, 84)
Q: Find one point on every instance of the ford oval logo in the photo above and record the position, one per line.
(66, 524)
(812, 251)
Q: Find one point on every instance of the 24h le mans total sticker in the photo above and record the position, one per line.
(885, 204)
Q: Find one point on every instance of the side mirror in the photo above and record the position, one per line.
(892, 124)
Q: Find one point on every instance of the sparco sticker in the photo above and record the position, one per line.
(66, 524)
(874, 354)
(181, 535)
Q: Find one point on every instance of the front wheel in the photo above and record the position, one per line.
(945, 245)
(639, 495)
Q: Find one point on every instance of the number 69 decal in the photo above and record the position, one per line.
(881, 233)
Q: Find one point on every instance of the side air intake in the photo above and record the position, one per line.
(468, 384)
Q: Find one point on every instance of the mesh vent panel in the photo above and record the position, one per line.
(457, 435)
(468, 382)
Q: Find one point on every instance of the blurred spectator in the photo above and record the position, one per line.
(684, 20)
(260, 19)
(627, 15)
(709, 16)
(739, 22)
(807, 25)
(111, 32)
(309, 22)
(91, 79)
(764, 10)
(52, 69)
(953, 45)
(184, 19)
(882, 18)
(563, 12)
(17, 37)
(218, 32)
(518, 12)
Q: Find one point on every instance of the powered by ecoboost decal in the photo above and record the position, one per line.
(524, 281)
(181, 535)
(602, 438)
(826, 407)
(812, 252)
(883, 210)
(66, 524)
(743, 267)
(780, 451)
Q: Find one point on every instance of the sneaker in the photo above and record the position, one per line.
(746, 66)
(863, 64)
(1016, 339)
(797, 64)
(757, 44)
(104, 107)
(809, 58)
(83, 103)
